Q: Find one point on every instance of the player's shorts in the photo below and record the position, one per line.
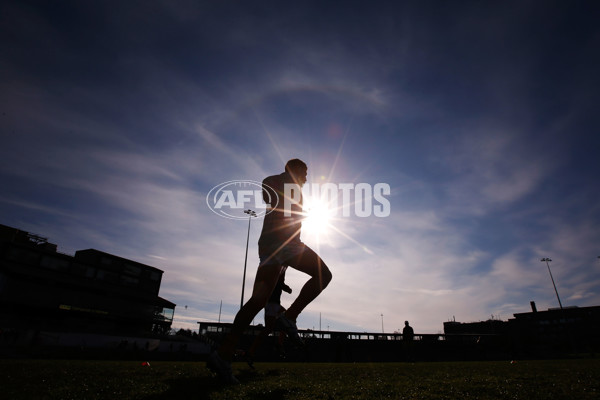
(291, 250)
(273, 309)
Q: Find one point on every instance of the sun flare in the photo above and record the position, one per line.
(318, 217)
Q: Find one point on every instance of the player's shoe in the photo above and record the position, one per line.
(222, 368)
(290, 328)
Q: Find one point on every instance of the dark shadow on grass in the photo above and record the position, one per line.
(198, 388)
(203, 386)
(276, 394)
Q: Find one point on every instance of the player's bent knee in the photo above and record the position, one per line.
(326, 277)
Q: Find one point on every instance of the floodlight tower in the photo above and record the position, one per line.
(250, 215)
(547, 260)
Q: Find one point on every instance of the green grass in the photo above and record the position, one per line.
(63, 379)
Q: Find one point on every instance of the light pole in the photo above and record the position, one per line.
(382, 331)
(547, 260)
(250, 215)
(220, 307)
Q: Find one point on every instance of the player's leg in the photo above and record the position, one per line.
(310, 263)
(265, 281)
(270, 316)
(281, 336)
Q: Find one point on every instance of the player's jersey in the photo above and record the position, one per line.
(279, 228)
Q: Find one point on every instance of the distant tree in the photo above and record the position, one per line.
(161, 329)
(184, 332)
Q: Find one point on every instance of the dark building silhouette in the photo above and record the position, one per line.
(92, 291)
(568, 329)
(489, 327)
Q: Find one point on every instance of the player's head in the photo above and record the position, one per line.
(297, 169)
(406, 323)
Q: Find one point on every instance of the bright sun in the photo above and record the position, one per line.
(318, 217)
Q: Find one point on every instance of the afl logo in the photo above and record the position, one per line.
(230, 199)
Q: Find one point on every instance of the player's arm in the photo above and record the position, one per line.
(267, 191)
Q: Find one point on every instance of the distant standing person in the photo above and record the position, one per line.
(279, 245)
(408, 333)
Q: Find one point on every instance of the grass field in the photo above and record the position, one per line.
(527, 380)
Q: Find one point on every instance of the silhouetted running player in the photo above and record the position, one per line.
(272, 311)
(279, 245)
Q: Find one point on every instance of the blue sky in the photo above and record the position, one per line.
(117, 118)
